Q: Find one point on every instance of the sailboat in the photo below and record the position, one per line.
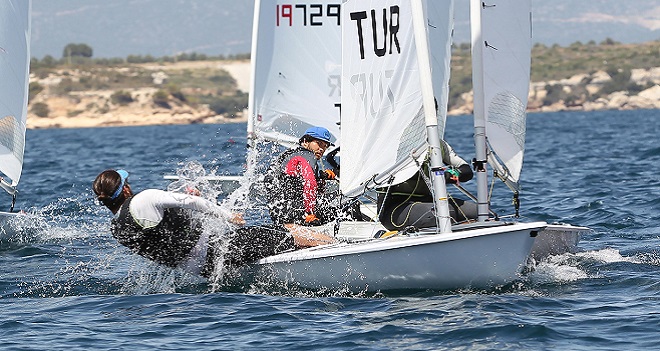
(501, 47)
(388, 123)
(14, 74)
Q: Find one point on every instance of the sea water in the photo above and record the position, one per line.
(65, 284)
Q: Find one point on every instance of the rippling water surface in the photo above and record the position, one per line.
(66, 284)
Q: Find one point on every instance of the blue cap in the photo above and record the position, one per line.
(123, 174)
(319, 133)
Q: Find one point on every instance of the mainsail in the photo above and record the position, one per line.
(296, 65)
(383, 115)
(502, 42)
(14, 72)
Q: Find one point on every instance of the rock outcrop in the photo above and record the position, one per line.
(578, 92)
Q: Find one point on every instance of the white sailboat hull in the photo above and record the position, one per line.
(554, 239)
(475, 258)
(557, 239)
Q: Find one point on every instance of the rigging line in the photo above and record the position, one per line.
(490, 193)
(473, 198)
(458, 208)
(466, 192)
(421, 175)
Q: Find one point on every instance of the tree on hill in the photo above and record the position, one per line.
(77, 50)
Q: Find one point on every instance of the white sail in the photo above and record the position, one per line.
(296, 67)
(383, 119)
(14, 72)
(440, 21)
(502, 29)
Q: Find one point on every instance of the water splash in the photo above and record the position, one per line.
(150, 278)
(67, 218)
(571, 267)
(607, 255)
(556, 272)
(193, 178)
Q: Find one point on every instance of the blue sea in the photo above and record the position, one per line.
(65, 284)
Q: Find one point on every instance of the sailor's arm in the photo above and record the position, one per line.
(461, 170)
(177, 200)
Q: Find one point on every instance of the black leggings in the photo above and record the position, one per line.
(397, 213)
(250, 244)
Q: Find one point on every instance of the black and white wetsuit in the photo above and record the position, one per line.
(160, 226)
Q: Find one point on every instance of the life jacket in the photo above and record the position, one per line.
(167, 243)
(286, 193)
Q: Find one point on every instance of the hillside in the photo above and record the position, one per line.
(87, 93)
(119, 28)
(139, 94)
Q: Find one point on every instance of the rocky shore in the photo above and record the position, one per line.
(576, 89)
(72, 111)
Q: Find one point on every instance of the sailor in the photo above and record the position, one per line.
(296, 183)
(411, 203)
(160, 226)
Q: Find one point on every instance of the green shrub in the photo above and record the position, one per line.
(176, 92)
(620, 80)
(77, 50)
(66, 86)
(228, 104)
(161, 98)
(121, 97)
(556, 93)
(40, 109)
(34, 90)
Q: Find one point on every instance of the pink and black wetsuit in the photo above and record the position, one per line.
(294, 186)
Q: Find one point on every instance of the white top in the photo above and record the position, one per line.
(148, 206)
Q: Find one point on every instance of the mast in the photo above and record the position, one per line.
(443, 219)
(253, 67)
(480, 161)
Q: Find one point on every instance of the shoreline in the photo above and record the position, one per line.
(163, 120)
(130, 121)
(72, 111)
